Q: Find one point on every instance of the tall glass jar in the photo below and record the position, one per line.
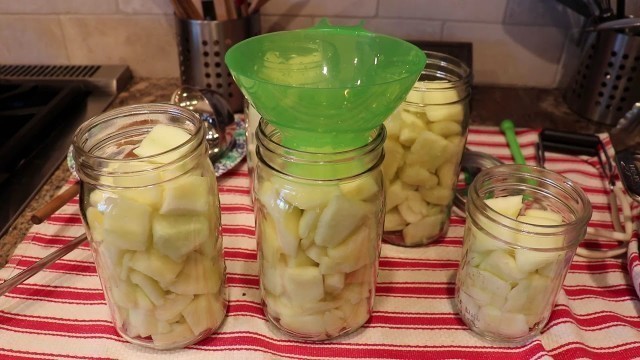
(319, 219)
(523, 227)
(426, 136)
(252, 118)
(150, 207)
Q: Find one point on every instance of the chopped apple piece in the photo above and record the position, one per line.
(540, 239)
(361, 188)
(354, 252)
(413, 208)
(204, 312)
(316, 253)
(547, 214)
(358, 315)
(143, 323)
(393, 158)
(127, 224)
(302, 195)
(396, 194)
(418, 176)
(339, 219)
(186, 195)
(301, 259)
(149, 286)
(502, 265)
(334, 322)
(142, 300)
(421, 230)
(446, 128)
(333, 283)
(156, 265)
(431, 150)
(95, 220)
(271, 277)
(123, 293)
(506, 205)
(308, 222)
(307, 324)
(531, 260)
(177, 235)
(285, 217)
(513, 325)
(497, 288)
(269, 246)
(447, 174)
(394, 221)
(160, 139)
(178, 334)
(172, 306)
(303, 284)
(438, 195)
(198, 276)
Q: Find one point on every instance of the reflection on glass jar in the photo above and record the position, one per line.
(150, 207)
(252, 119)
(319, 219)
(523, 227)
(426, 136)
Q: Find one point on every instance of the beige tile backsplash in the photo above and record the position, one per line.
(516, 42)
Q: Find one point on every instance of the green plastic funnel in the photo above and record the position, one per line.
(325, 87)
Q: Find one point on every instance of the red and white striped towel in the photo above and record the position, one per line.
(61, 312)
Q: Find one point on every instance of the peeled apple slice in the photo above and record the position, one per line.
(417, 232)
(309, 324)
(198, 276)
(502, 265)
(439, 195)
(269, 246)
(204, 312)
(546, 214)
(271, 277)
(177, 235)
(333, 283)
(149, 286)
(160, 139)
(504, 323)
(354, 252)
(506, 205)
(95, 220)
(446, 128)
(304, 196)
(339, 219)
(418, 176)
(360, 189)
(178, 333)
(172, 306)
(284, 216)
(431, 150)
(393, 221)
(303, 284)
(396, 194)
(489, 283)
(156, 265)
(186, 195)
(334, 322)
(127, 224)
(308, 222)
(538, 241)
(143, 323)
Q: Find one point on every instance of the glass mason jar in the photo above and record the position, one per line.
(426, 136)
(319, 219)
(153, 222)
(523, 227)
(252, 118)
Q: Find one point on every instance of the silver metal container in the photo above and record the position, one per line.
(201, 49)
(607, 81)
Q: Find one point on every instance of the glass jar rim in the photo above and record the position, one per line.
(547, 176)
(82, 156)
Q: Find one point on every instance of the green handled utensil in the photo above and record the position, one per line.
(508, 128)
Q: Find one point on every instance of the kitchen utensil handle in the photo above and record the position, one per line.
(56, 203)
(508, 128)
(570, 139)
(27, 273)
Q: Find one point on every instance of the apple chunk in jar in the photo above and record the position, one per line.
(523, 227)
(426, 136)
(150, 205)
(319, 227)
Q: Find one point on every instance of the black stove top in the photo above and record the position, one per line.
(31, 113)
(41, 106)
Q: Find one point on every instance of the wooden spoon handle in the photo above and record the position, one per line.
(56, 203)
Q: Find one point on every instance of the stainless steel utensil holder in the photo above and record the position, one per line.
(607, 81)
(201, 49)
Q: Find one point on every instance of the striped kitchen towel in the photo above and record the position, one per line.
(61, 312)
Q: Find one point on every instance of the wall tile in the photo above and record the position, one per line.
(282, 22)
(407, 29)
(536, 12)
(509, 54)
(28, 39)
(146, 43)
(145, 6)
(57, 6)
(478, 11)
(365, 8)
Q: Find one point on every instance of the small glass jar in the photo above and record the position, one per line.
(523, 227)
(153, 222)
(426, 136)
(319, 219)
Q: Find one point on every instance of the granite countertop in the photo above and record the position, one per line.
(534, 108)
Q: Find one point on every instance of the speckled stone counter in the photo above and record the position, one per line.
(534, 108)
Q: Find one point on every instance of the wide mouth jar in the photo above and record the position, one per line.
(523, 226)
(541, 189)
